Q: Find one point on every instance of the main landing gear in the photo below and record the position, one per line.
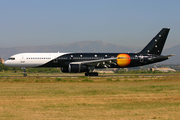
(24, 71)
(91, 74)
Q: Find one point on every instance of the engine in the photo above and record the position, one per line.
(74, 68)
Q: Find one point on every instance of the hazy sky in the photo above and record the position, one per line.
(123, 22)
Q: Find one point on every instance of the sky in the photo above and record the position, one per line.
(122, 22)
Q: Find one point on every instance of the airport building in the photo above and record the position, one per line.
(163, 69)
(1, 60)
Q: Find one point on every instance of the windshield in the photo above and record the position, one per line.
(11, 58)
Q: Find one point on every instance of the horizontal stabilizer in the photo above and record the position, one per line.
(162, 57)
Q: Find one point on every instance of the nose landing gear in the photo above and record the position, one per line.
(24, 71)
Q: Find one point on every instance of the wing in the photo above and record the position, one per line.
(100, 62)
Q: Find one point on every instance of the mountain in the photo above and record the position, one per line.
(87, 46)
(173, 50)
(81, 46)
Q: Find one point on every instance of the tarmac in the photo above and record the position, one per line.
(100, 75)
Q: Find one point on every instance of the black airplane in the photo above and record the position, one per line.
(88, 62)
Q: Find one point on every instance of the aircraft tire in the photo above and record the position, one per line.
(95, 74)
(91, 74)
(86, 74)
(25, 75)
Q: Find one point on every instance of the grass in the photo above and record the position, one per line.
(109, 79)
(87, 80)
(85, 98)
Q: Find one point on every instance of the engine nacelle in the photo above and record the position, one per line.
(75, 68)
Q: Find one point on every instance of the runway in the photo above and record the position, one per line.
(101, 75)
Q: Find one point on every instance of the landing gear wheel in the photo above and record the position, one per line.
(86, 74)
(24, 71)
(91, 74)
(25, 75)
(95, 74)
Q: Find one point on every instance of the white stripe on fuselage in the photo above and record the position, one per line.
(31, 59)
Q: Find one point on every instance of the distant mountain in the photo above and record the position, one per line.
(87, 46)
(81, 46)
(174, 59)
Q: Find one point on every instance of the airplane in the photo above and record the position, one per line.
(87, 62)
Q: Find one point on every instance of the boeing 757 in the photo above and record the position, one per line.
(88, 62)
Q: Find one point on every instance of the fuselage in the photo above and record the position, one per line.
(63, 59)
(87, 62)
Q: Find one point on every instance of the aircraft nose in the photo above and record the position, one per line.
(6, 63)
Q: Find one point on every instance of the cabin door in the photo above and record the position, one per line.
(22, 59)
(141, 58)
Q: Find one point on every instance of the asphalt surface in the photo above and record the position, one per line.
(100, 75)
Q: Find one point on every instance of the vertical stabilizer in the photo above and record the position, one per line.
(155, 46)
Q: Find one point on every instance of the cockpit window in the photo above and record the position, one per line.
(11, 58)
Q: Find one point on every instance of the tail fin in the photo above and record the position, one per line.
(155, 46)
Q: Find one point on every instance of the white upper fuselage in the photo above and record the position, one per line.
(31, 59)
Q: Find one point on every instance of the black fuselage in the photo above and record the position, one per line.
(134, 59)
